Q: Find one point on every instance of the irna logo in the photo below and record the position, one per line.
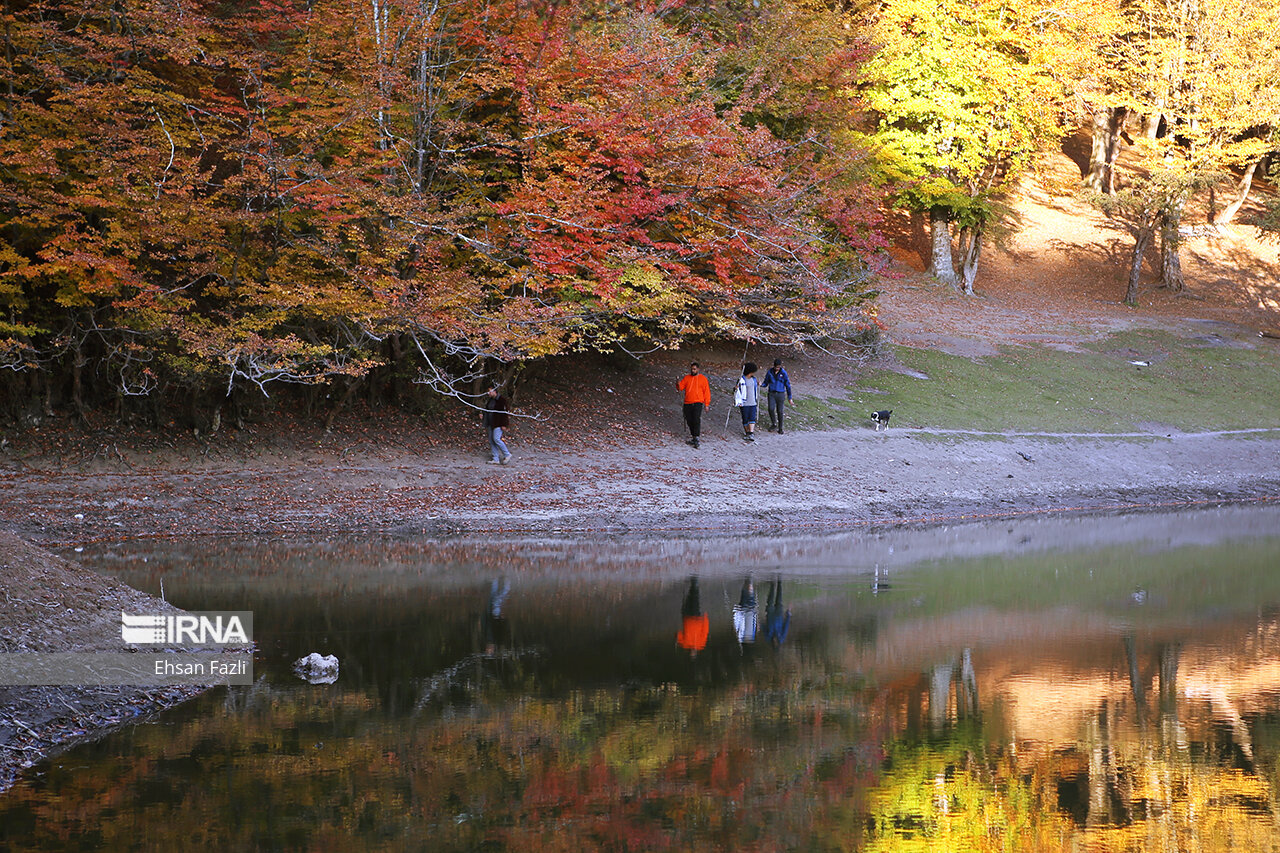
(200, 629)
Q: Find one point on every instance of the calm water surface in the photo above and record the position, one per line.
(1062, 684)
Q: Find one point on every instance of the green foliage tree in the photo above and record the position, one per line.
(962, 106)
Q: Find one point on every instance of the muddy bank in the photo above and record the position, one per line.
(817, 479)
(52, 605)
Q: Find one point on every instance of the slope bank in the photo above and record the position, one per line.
(53, 605)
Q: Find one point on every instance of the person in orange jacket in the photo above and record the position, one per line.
(697, 399)
(695, 626)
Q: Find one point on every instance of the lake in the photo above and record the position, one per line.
(1047, 683)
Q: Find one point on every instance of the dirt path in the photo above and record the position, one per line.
(851, 477)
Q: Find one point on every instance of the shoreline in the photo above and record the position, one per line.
(56, 605)
(816, 479)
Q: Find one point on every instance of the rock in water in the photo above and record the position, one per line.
(316, 668)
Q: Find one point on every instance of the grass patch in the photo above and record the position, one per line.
(1188, 385)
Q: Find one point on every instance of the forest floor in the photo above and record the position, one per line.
(1043, 394)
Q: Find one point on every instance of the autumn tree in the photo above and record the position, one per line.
(962, 106)
(1216, 83)
(647, 203)
(1236, 119)
(210, 201)
(107, 212)
(1202, 79)
(1147, 206)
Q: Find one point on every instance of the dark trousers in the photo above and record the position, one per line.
(777, 400)
(693, 417)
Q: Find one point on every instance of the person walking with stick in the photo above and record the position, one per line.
(697, 399)
(778, 384)
(746, 398)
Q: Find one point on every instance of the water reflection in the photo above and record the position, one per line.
(695, 625)
(777, 619)
(493, 625)
(746, 614)
(1015, 702)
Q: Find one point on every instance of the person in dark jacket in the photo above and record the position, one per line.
(495, 420)
(778, 385)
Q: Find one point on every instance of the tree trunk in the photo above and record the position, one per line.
(1099, 812)
(941, 264)
(507, 377)
(1170, 244)
(1229, 212)
(1137, 687)
(1151, 124)
(352, 384)
(940, 694)
(1135, 266)
(970, 250)
(968, 686)
(397, 362)
(429, 52)
(1115, 129)
(77, 379)
(1107, 124)
(47, 401)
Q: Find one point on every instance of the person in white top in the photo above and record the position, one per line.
(747, 400)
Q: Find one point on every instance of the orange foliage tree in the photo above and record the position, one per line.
(205, 199)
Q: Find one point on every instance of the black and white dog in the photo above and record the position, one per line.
(881, 418)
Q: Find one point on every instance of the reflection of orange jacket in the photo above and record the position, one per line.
(693, 636)
(696, 389)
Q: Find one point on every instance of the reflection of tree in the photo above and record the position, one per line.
(618, 768)
(1173, 771)
(800, 755)
(957, 794)
(1170, 767)
(947, 678)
